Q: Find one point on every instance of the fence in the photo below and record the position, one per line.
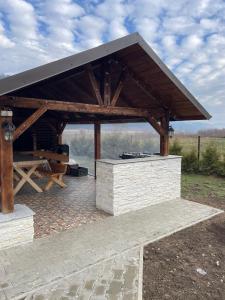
(199, 143)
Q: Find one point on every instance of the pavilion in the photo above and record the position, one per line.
(120, 81)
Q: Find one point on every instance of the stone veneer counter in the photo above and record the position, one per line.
(131, 184)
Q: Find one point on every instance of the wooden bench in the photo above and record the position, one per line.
(55, 174)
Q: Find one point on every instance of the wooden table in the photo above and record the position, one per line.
(25, 166)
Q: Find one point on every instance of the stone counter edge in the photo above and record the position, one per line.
(137, 160)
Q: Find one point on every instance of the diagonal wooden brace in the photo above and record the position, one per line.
(29, 121)
(156, 125)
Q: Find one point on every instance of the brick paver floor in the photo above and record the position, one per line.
(113, 279)
(60, 209)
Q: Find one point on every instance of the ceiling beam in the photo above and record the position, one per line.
(72, 106)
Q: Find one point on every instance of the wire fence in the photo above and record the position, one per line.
(200, 143)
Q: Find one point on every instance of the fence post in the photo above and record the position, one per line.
(199, 147)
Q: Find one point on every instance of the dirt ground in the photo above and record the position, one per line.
(190, 264)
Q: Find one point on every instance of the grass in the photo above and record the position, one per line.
(201, 186)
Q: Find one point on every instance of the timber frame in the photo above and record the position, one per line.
(121, 81)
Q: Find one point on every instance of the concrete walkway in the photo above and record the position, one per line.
(54, 259)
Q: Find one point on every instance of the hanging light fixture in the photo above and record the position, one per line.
(9, 129)
(7, 125)
(171, 131)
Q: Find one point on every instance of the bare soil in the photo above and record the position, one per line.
(173, 266)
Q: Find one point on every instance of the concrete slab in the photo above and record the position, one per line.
(20, 212)
(53, 259)
(16, 228)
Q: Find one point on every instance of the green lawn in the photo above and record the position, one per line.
(200, 186)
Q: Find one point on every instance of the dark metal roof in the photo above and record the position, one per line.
(134, 52)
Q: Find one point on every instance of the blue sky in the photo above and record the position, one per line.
(188, 35)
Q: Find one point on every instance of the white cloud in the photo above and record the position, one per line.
(188, 35)
(4, 40)
(22, 19)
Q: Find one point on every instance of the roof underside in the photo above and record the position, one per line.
(149, 84)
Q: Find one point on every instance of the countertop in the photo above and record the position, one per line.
(137, 160)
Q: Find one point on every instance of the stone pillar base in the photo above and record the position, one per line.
(16, 228)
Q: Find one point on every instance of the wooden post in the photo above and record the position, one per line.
(34, 137)
(164, 138)
(60, 130)
(97, 143)
(6, 166)
(199, 147)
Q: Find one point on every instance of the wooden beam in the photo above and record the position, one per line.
(97, 135)
(51, 155)
(73, 107)
(155, 125)
(6, 168)
(29, 121)
(107, 85)
(119, 88)
(94, 84)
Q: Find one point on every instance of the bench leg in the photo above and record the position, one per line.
(59, 180)
(49, 184)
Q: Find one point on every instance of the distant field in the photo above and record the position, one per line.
(81, 144)
(114, 143)
(191, 142)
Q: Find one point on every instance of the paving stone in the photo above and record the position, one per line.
(78, 287)
(130, 297)
(2, 295)
(93, 251)
(115, 288)
(73, 290)
(117, 274)
(129, 277)
(89, 285)
(100, 290)
(61, 209)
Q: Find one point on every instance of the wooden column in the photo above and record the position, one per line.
(6, 166)
(60, 130)
(34, 137)
(97, 136)
(164, 138)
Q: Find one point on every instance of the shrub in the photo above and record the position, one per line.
(210, 160)
(221, 167)
(190, 162)
(176, 148)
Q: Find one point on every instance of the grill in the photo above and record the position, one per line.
(131, 155)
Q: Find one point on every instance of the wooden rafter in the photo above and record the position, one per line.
(119, 87)
(107, 84)
(94, 84)
(73, 106)
(29, 121)
(143, 85)
(155, 125)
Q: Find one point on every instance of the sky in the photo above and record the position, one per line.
(188, 35)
